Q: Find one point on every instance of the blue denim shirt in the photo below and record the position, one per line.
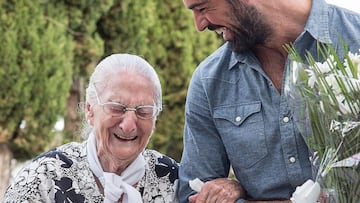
(236, 117)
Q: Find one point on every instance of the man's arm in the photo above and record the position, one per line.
(204, 155)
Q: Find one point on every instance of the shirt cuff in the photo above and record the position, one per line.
(240, 201)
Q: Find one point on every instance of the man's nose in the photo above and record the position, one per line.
(200, 21)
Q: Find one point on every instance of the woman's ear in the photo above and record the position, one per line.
(89, 113)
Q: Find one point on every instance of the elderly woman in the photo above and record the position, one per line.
(123, 100)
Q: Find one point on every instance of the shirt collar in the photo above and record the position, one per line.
(245, 57)
(318, 21)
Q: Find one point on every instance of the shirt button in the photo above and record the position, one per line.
(286, 119)
(292, 159)
(238, 119)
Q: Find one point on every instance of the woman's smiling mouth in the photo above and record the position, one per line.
(125, 138)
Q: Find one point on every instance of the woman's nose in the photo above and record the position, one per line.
(128, 122)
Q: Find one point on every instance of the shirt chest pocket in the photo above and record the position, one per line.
(241, 128)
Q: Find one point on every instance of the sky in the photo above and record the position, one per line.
(349, 4)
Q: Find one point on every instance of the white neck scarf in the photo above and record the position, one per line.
(113, 184)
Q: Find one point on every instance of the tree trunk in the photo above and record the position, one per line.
(6, 156)
(72, 118)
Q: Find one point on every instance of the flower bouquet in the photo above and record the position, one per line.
(324, 94)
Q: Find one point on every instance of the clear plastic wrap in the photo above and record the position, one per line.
(325, 101)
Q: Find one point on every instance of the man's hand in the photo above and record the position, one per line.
(220, 190)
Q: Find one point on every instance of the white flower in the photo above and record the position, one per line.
(322, 106)
(332, 80)
(312, 78)
(324, 67)
(355, 60)
(352, 84)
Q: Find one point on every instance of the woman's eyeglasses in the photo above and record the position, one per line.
(117, 109)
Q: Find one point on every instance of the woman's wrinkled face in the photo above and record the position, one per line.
(123, 138)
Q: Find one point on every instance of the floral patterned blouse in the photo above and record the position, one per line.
(63, 175)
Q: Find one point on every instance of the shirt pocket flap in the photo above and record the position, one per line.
(237, 114)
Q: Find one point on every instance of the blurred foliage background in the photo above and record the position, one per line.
(49, 48)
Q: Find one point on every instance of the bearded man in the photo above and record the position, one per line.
(236, 115)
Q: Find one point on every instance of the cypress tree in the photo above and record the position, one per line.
(36, 68)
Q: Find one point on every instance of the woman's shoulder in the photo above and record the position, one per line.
(67, 154)
(57, 161)
(161, 176)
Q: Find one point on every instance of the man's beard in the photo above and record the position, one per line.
(249, 29)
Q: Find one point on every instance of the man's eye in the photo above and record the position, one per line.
(201, 9)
